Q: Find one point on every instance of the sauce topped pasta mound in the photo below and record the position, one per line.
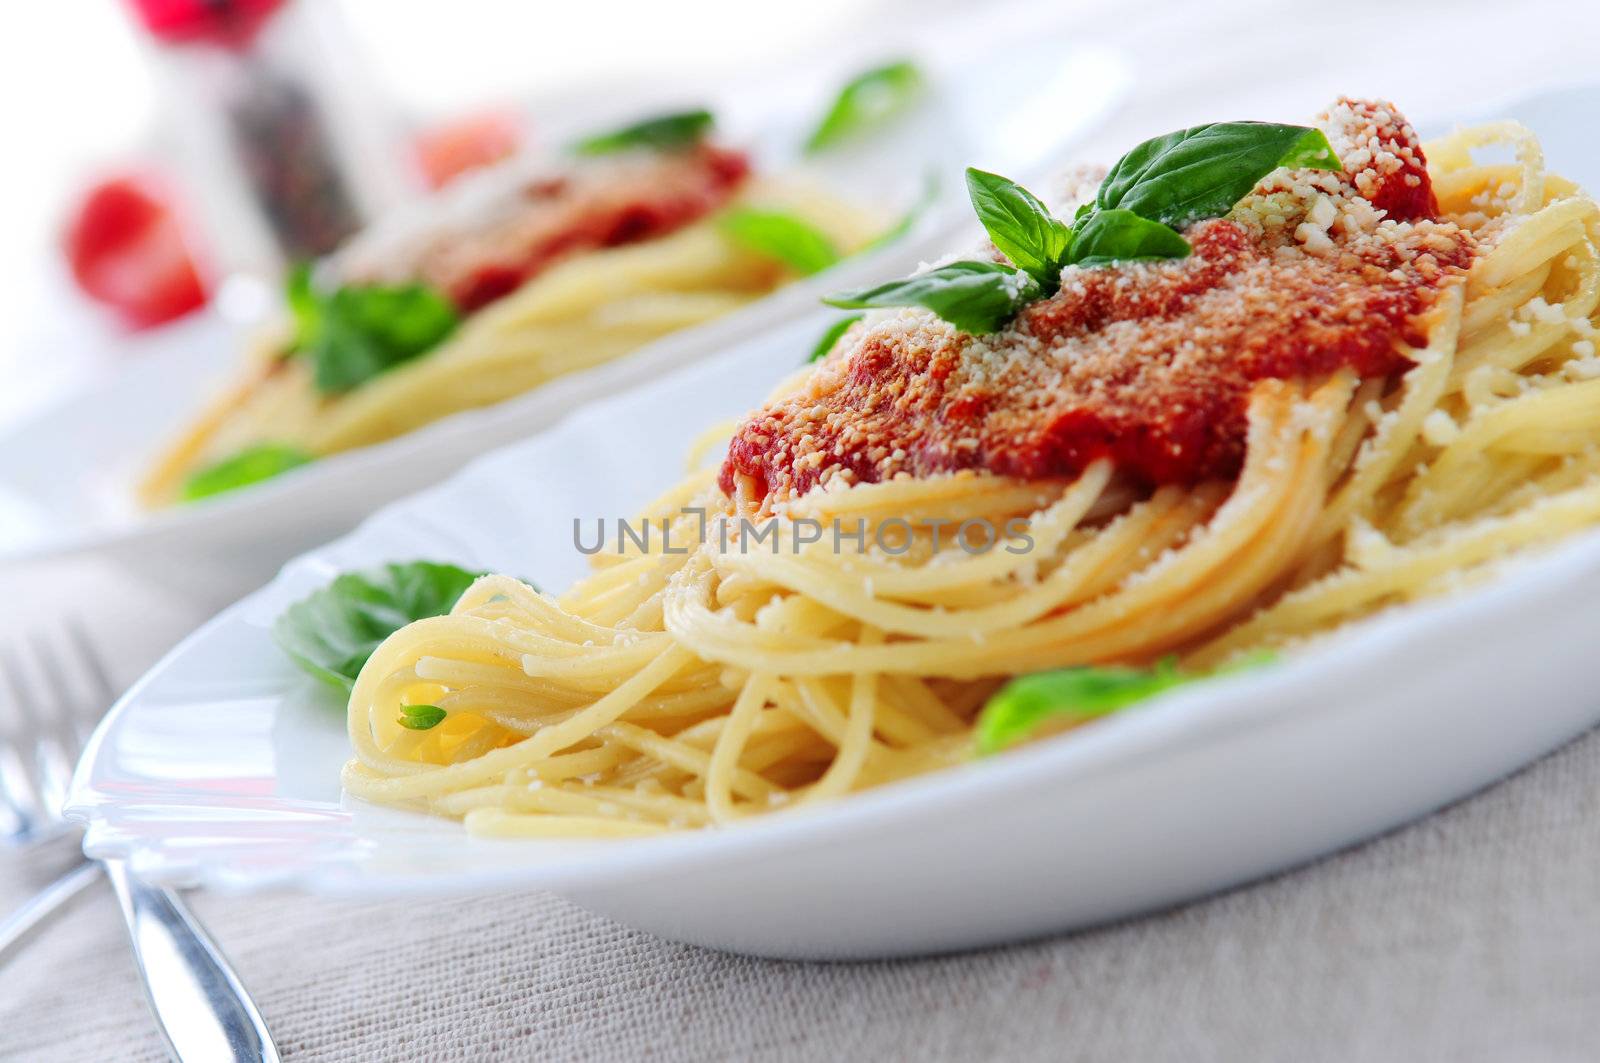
(1148, 363)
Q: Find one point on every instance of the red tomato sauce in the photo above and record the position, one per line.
(605, 203)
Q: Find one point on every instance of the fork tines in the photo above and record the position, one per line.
(52, 691)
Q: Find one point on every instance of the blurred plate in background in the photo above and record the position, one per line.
(66, 474)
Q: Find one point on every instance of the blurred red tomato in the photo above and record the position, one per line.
(127, 250)
(451, 150)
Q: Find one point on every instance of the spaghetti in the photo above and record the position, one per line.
(687, 690)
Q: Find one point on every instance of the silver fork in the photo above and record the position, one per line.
(56, 693)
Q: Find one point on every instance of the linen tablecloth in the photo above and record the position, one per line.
(1472, 935)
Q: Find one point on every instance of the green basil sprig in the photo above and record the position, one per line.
(362, 330)
(1165, 182)
(830, 339)
(1042, 246)
(980, 297)
(667, 132)
(1201, 172)
(331, 633)
(867, 100)
(1030, 704)
(251, 465)
(791, 240)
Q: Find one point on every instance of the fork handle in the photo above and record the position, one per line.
(19, 924)
(202, 1009)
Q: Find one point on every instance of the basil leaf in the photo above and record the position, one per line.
(1073, 695)
(830, 339)
(867, 100)
(1119, 235)
(361, 330)
(1066, 696)
(975, 297)
(791, 240)
(1201, 172)
(667, 132)
(332, 633)
(421, 717)
(1020, 226)
(251, 465)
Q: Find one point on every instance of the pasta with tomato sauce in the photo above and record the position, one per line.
(1358, 377)
(499, 289)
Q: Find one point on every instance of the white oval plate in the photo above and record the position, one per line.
(220, 768)
(66, 489)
